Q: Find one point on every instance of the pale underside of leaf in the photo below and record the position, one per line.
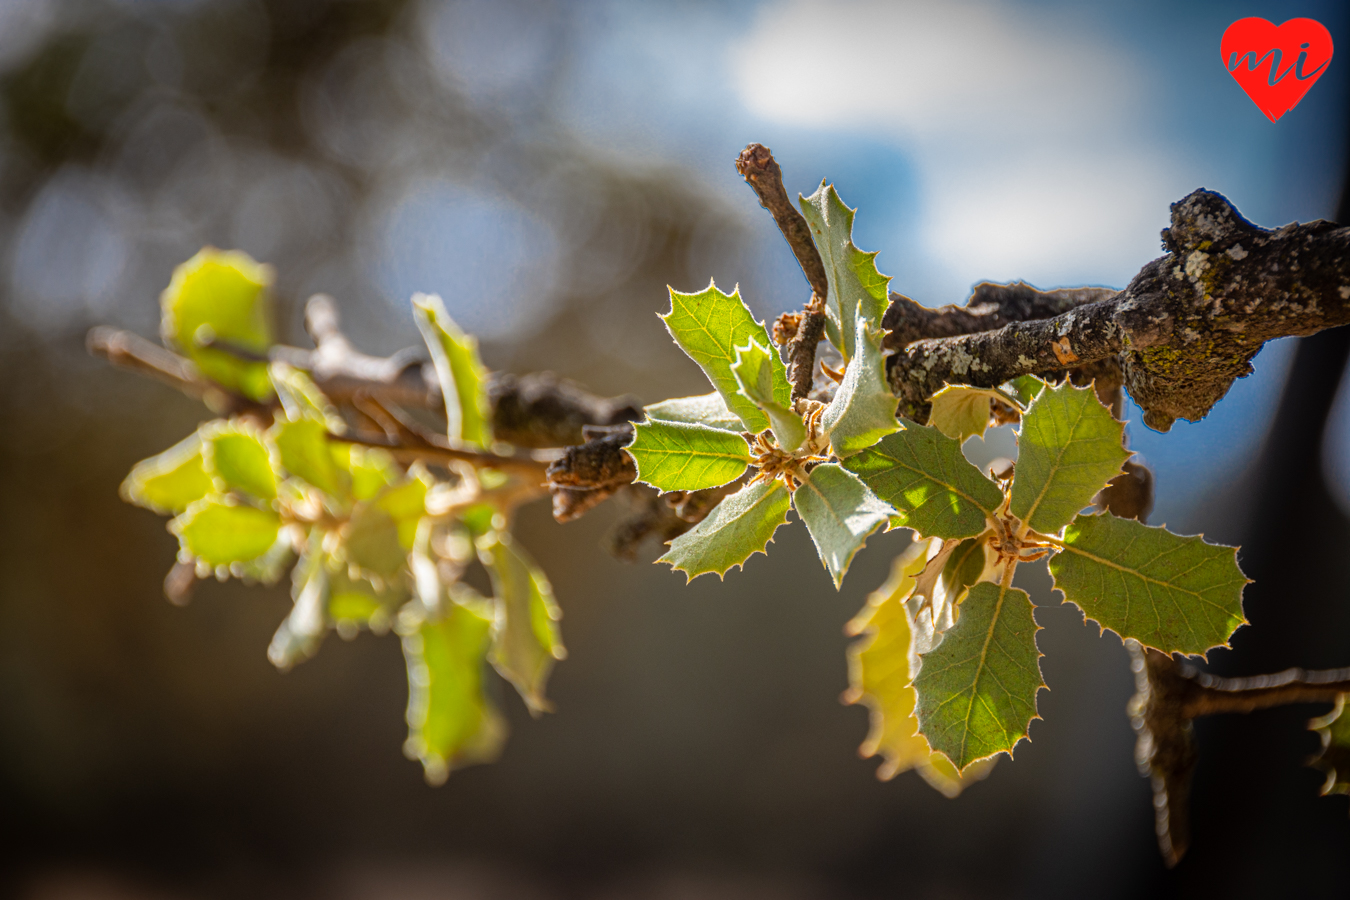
(841, 513)
(922, 473)
(863, 409)
(737, 528)
(759, 382)
(461, 374)
(1068, 449)
(961, 411)
(708, 410)
(856, 288)
(1175, 594)
(708, 326)
(977, 688)
(675, 456)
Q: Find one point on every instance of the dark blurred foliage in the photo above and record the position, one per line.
(699, 749)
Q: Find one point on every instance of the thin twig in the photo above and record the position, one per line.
(759, 169)
(442, 453)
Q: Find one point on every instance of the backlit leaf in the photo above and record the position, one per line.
(371, 541)
(1334, 760)
(841, 513)
(762, 383)
(922, 473)
(239, 460)
(371, 470)
(303, 447)
(1172, 593)
(217, 301)
(709, 410)
(167, 483)
(977, 688)
(1068, 449)
(673, 456)
(525, 638)
(738, 527)
(863, 409)
(301, 398)
(1025, 388)
(857, 289)
(461, 374)
(219, 533)
(451, 723)
(709, 326)
(960, 411)
(300, 634)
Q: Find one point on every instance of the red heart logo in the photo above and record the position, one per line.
(1276, 65)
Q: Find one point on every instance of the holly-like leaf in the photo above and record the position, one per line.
(216, 303)
(239, 460)
(960, 411)
(1175, 594)
(301, 398)
(921, 472)
(1334, 760)
(762, 384)
(1068, 449)
(1025, 388)
(461, 374)
(857, 289)
(525, 638)
(673, 456)
(169, 482)
(300, 634)
(303, 448)
(736, 529)
(708, 410)
(220, 533)
(863, 409)
(709, 326)
(841, 513)
(977, 688)
(450, 723)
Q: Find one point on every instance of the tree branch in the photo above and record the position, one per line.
(1184, 329)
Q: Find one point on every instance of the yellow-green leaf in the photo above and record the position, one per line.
(841, 513)
(525, 638)
(220, 533)
(708, 410)
(301, 398)
(673, 456)
(961, 411)
(856, 288)
(921, 472)
(863, 409)
(462, 376)
(977, 688)
(709, 326)
(217, 301)
(1068, 449)
(451, 724)
(761, 383)
(239, 460)
(1175, 594)
(736, 529)
(303, 448)
(167, 483)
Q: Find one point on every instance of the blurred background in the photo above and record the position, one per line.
(550, 168)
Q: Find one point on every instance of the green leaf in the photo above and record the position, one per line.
(301, 398)
(1025, 388)
(977, 688)
(1068, 449)
(167, 483)
(761, 383)
(371, 542)
(961, 411)
(220, 298)
(219, 533)
(462, 376)
(857, 289)
(863, 409)
(736, 529)
(451, 723)
(921, 473)
(303, 446)
(237, 457)
(964, 567)
(881, 666)
(525, 638)
(1175, 594)
(677, 457)
(708, 410)
(841, 513)
(371, 469)
(300, 634)
(1334, 760)
(709, 326)
(406, 504)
